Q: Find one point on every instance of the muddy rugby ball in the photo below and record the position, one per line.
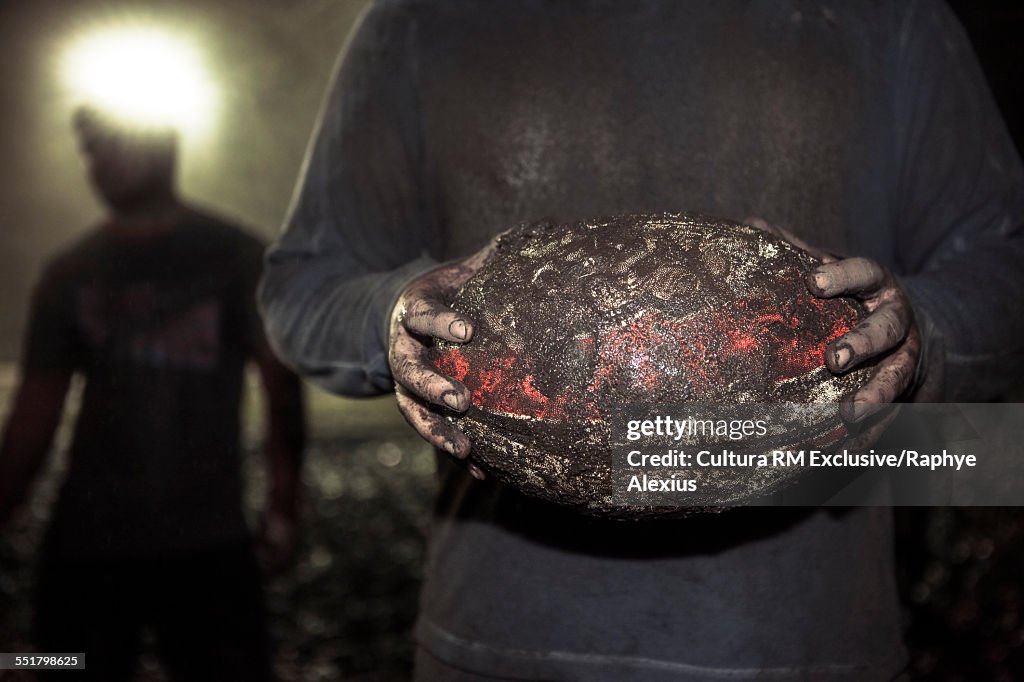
(577, 322)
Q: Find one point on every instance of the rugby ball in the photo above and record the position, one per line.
(577, 323)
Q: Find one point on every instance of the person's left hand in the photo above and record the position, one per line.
(889, 332)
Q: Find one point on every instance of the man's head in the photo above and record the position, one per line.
(129, 165)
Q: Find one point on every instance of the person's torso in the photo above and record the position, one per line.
(161, 335)
(539, 110)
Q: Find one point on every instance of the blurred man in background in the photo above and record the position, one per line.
(155, 309)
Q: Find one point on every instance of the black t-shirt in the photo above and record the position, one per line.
(160, 325)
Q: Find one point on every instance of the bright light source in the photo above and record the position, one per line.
(144, 75)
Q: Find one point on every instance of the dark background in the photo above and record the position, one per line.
(346, 608)
(962, 570)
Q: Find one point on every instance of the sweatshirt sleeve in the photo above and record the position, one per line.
(960, 209)
(358, 229)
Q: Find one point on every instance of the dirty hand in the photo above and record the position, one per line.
(420, 315)
(888, 331)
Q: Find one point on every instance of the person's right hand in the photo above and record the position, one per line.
(419, 315)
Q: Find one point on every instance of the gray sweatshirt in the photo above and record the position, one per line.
(865, 128)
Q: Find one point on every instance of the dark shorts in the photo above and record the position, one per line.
(204, 607)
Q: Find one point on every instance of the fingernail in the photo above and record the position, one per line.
(860, 409)
(822, 280)
(842, 357)
(451, 400)
(475, 471)
(457, 328)
(449, 447)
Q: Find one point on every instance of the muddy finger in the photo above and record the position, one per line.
(877, 333)
(850, 276)
(413, 370)
(431, 318)
(890, 381)
(431, 426)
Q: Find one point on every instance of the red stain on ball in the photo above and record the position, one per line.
(575, 323)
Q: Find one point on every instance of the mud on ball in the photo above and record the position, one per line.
(574, 322)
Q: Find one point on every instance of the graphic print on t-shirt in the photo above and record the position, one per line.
(144, 325)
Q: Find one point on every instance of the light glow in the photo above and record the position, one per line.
(144, 75)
